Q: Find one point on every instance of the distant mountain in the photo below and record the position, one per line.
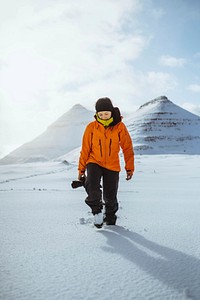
(159, 126)
(62, 136)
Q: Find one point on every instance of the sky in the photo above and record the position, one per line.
(57, 53)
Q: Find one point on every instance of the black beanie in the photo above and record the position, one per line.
(104, 104)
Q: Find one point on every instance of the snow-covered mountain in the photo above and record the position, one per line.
(62, 136)
(157, 127)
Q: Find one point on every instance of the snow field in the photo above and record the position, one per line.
(152, 253)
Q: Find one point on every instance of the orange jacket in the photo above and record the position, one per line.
(101, 145)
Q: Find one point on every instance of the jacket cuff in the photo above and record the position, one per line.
(81, 172)
(129, 171)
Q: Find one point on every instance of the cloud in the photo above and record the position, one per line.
(194, 88)
(67, 44)
(160, 82)
(59, 50)
(170, 61)
(57, 53)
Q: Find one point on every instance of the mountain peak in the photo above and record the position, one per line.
(76, 113)
(77, 107)
(160, 126)
(59, 138)
(158, 100)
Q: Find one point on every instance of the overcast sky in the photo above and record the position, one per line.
(56, 53)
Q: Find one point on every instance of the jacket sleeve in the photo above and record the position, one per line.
(127, 148)
(86, 148)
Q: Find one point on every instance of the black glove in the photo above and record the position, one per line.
(77, 183)
(129, 174)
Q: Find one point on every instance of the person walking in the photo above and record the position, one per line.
(99, 162)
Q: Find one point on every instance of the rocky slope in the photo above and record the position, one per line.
(159, 126)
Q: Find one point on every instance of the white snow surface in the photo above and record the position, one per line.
(51, 250)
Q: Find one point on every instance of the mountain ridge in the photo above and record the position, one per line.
(158, 127)
(159, 99)
(55, 140)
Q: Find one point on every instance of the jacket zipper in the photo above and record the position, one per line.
(110, 147)
(100, 147)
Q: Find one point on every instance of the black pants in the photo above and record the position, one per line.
(110, 180)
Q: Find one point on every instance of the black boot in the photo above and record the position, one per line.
(110, 219)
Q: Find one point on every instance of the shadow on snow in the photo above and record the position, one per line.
(174, 268)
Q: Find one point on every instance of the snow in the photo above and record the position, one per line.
(161, 127)
(51, 250)
(157, 127)
(61, 137)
